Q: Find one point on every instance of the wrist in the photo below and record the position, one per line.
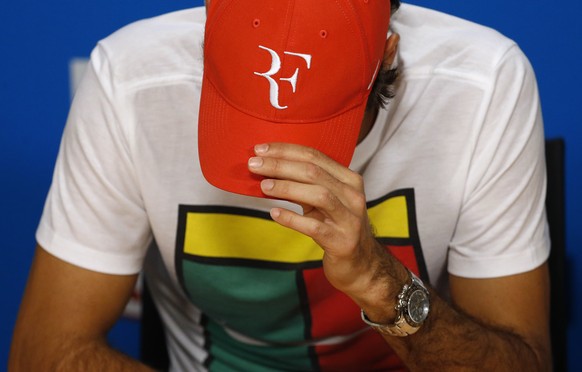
(378, 297)
(412, 308)
(380, 301)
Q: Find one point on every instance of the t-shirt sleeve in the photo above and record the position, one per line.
(94, 215)
(502, 227)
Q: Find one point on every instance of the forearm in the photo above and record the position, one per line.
(71, 354)
(65, 313)
(450, 339)
(98, 356)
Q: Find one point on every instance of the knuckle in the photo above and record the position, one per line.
(358, 181)
(359, 200)
(315, 230)
(320, 232)
(288, 219)
(356, 199)
(311, 154)
(312, 171)
(275, 165)
(327, 199)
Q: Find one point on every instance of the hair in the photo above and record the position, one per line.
(383, 88)
(394, 5)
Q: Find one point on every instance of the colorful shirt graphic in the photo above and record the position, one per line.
(267, 303)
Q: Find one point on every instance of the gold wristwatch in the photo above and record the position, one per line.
(412, 308)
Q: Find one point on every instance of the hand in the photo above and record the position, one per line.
(334, 215)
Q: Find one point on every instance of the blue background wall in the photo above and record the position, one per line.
(39, 38)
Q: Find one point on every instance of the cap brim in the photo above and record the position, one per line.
(227, 136)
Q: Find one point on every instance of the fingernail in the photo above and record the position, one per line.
(255, 162)
(261, 149)
(267, 185)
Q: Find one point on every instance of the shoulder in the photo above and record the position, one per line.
(163, 47)
(437, 43)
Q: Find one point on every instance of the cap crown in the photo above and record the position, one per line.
(294, 61)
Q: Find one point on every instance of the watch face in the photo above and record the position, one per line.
(418, 306)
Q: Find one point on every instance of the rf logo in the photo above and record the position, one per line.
(275, 67)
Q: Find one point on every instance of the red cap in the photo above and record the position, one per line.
(295, 71)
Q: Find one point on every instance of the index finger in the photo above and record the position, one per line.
(294, 152)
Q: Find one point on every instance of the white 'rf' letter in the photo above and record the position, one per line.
(275, 67)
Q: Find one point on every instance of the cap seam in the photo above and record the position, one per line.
(364, 53)
(289, 17)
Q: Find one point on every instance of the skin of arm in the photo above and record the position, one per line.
(492, 324)
(64, 317)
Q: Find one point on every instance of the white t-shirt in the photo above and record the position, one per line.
(454, 173)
